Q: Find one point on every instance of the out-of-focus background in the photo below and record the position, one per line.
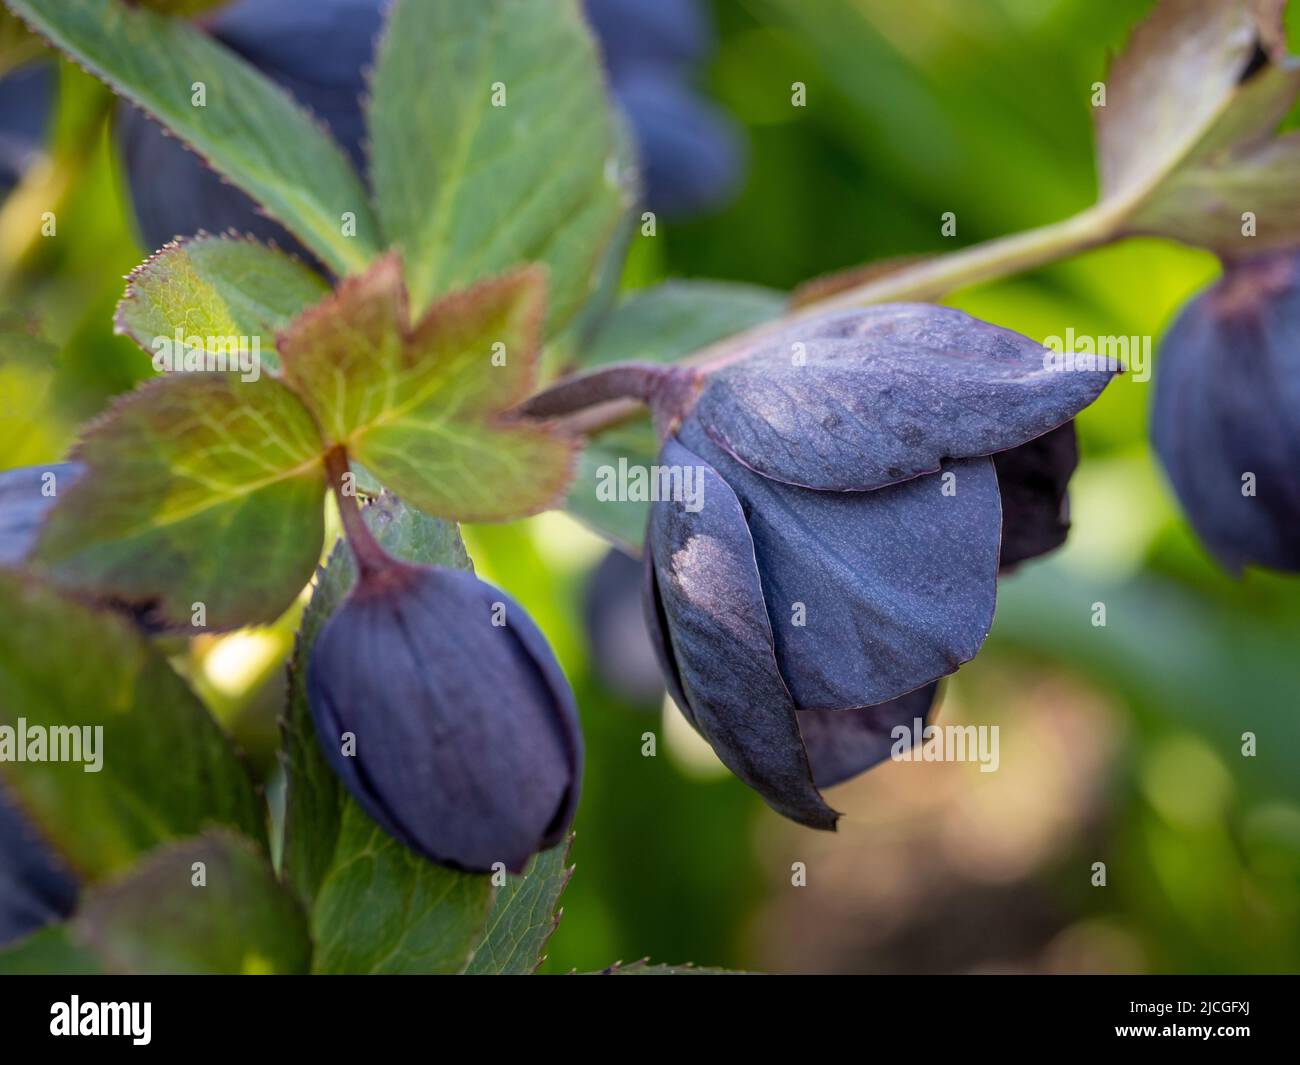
(1121, 744)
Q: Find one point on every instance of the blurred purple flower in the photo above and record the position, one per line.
(26, 100)
(691, 151)
(1226, 416)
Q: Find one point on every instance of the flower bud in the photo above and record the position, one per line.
(1226, 415)
(439, 703)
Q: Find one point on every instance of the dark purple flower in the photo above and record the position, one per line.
(35, 888)
(466, 740)
(843, 743)
(840, 543)
(1226, 419)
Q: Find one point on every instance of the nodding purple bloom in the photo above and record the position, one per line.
(318, 50)
(1226, 419)
(859, 483)
(35, 888)
(465, 741)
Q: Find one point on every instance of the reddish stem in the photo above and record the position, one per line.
(372, 560)
(669, 391)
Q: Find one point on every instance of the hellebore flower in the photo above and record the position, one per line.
(467, 746)
(318, 50)
(35, 890)
(1226, 415)
(857, 478)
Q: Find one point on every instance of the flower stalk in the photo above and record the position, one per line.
(590, 403)
(371, 559)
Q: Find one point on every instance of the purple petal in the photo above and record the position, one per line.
(671, 34)
(894, 588)
(721, 645)
(657, 628)
(864, 399)
(26, 101)
(843, 743)
(1035, 507)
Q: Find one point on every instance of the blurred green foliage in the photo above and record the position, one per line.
(981, 108)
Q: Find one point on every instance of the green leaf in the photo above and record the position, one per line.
(158, 918)
(384, 909)
(17, 43)
(250, 131)
(48, 952)
(468, 189)
(523, 916)
(166, 769)
(375, 906)
(200, 488)
(1204, 204)
(422, 406)
(29, 426)
(1180, 74)
(621, 521)
(673, 319)
(216, 289)
(1184, 140)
